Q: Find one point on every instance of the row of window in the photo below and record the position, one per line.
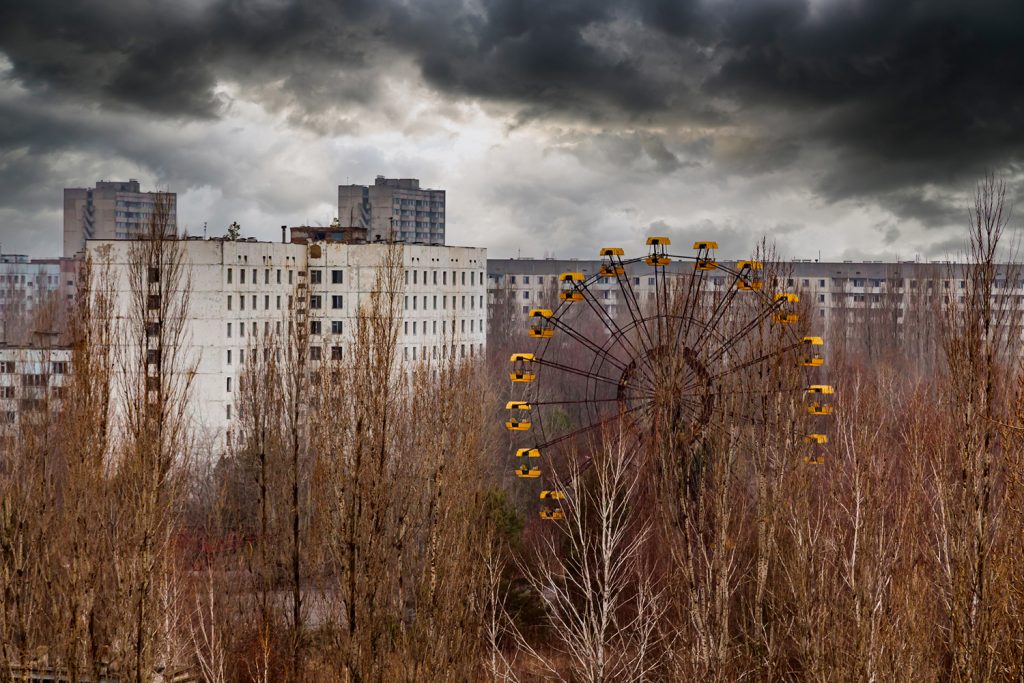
(60, 367)
(473, 327)
(444, 277)
(473, 302)
(315, 302)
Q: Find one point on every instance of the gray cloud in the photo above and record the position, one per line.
(870, 106)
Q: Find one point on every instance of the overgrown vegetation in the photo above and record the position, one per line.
(363, 525)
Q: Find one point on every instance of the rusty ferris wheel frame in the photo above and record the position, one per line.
(667, 367)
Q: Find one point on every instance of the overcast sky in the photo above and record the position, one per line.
(853, 128)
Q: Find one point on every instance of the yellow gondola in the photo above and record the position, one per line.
(570, 288)
(613, 251)
(552, 514)
(519, 370)
(745, 285)
(705, 246)
(611, 270)
(812, 361)
(820, 439)
(818, 459)
(657, 258)
(823, 389)
(813, 341)
(552, 495)
(539, 325)
(819, 409)
(527, 472)
(516, 424)
(749, 265)
(528, 452)
(786, 317)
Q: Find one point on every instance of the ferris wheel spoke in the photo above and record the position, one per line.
(586, 428)
(568, 329)
(639, 322)
(606, 319)
(720, 309)
(742, 333)
(575, 371)
(756, 361)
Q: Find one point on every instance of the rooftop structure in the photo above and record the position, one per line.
(394, 209)
(112, 210)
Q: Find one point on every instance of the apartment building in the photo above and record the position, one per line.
(242, 290)
(26, 286)
(111, 210)
(30, 378)
(396, 209)
(843, 295)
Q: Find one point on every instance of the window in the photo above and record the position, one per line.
(7, 366)
(266, 276)
(314, 353)
(821, 298)
(821, 283)
(337, 277)
(241, 275)
(228, 407)
(314, 301)
(278, 276)
(229, 356)
(229, 276)
(336, 353)
(415, 277)
(229, 302)
(153, 274)
(228, 384)
(6, 392)
(241, 329)
(153, 356)
(241, 303)
(435, 276)
(254, 276)
(229, 330)
(315, 277)
(266, 302)
(153, 302)
(290, 276)
(337, 301)
(526, 295)
(336, 327)
(314, 327)
(279, 302)
(254, 302)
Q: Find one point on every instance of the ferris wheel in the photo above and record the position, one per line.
(671, 347)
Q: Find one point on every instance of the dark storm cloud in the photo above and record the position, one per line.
(885, 97)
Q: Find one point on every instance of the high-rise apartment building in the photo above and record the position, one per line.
(393, 209)
(243, 291)
(28, 288)
(113, 210)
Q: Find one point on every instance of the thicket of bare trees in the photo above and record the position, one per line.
(361, 524)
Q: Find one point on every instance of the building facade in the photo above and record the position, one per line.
(244, 290)
(111, 210)
(31, 378)
(395, 209)
(871, 302)
(27, 286)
